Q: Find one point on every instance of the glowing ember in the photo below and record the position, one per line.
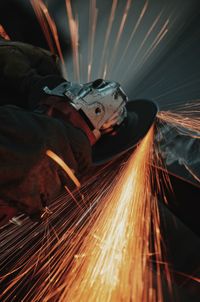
(186, 120)
(186, 116)
(107, 36)
(74, 33)
(151, 29)
(65, 167)
(121, 29)
(92, 31)
(133, 32)
(49, 28)
(3, 33)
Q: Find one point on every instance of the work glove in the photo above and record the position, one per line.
(29, 179)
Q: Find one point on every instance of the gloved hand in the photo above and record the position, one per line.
(29, 179)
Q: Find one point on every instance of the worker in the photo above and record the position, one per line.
(28, 178)
(40, 111)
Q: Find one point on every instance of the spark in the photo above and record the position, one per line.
(41, 10)
(185, 85)
(113, 262)
(43, 24)
(21, 254)
(189, 277)
(142, 44)
(103, 251)
(3, 33)
(89, 254)
(144, 9)
(107, 35)
(74, 33)
(121, 29)
(65, 167)
(192, 173)
(92, 31)
(186, 120)
(186, 116)
(155, 43)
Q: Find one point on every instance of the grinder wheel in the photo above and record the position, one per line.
(141, 115)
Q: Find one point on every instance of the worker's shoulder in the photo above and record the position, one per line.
(27, 49)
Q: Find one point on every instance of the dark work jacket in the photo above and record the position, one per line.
(29, 179)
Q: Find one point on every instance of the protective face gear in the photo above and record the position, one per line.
(100, 103)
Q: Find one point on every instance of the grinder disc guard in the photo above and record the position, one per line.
(140, 117)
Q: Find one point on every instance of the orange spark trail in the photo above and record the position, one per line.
(53, 29)
(29, 255)
(74, 33)
(107, 36)
(192, 173)
(92, 31)
(105, 253)
(142, 44)
(186, 120)
(114, 260)
(133, 33)
(43, 24)
(48, 26)
(3, 33)
(162, 33)
(65, 167)
(187, 116)
(121, 29)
